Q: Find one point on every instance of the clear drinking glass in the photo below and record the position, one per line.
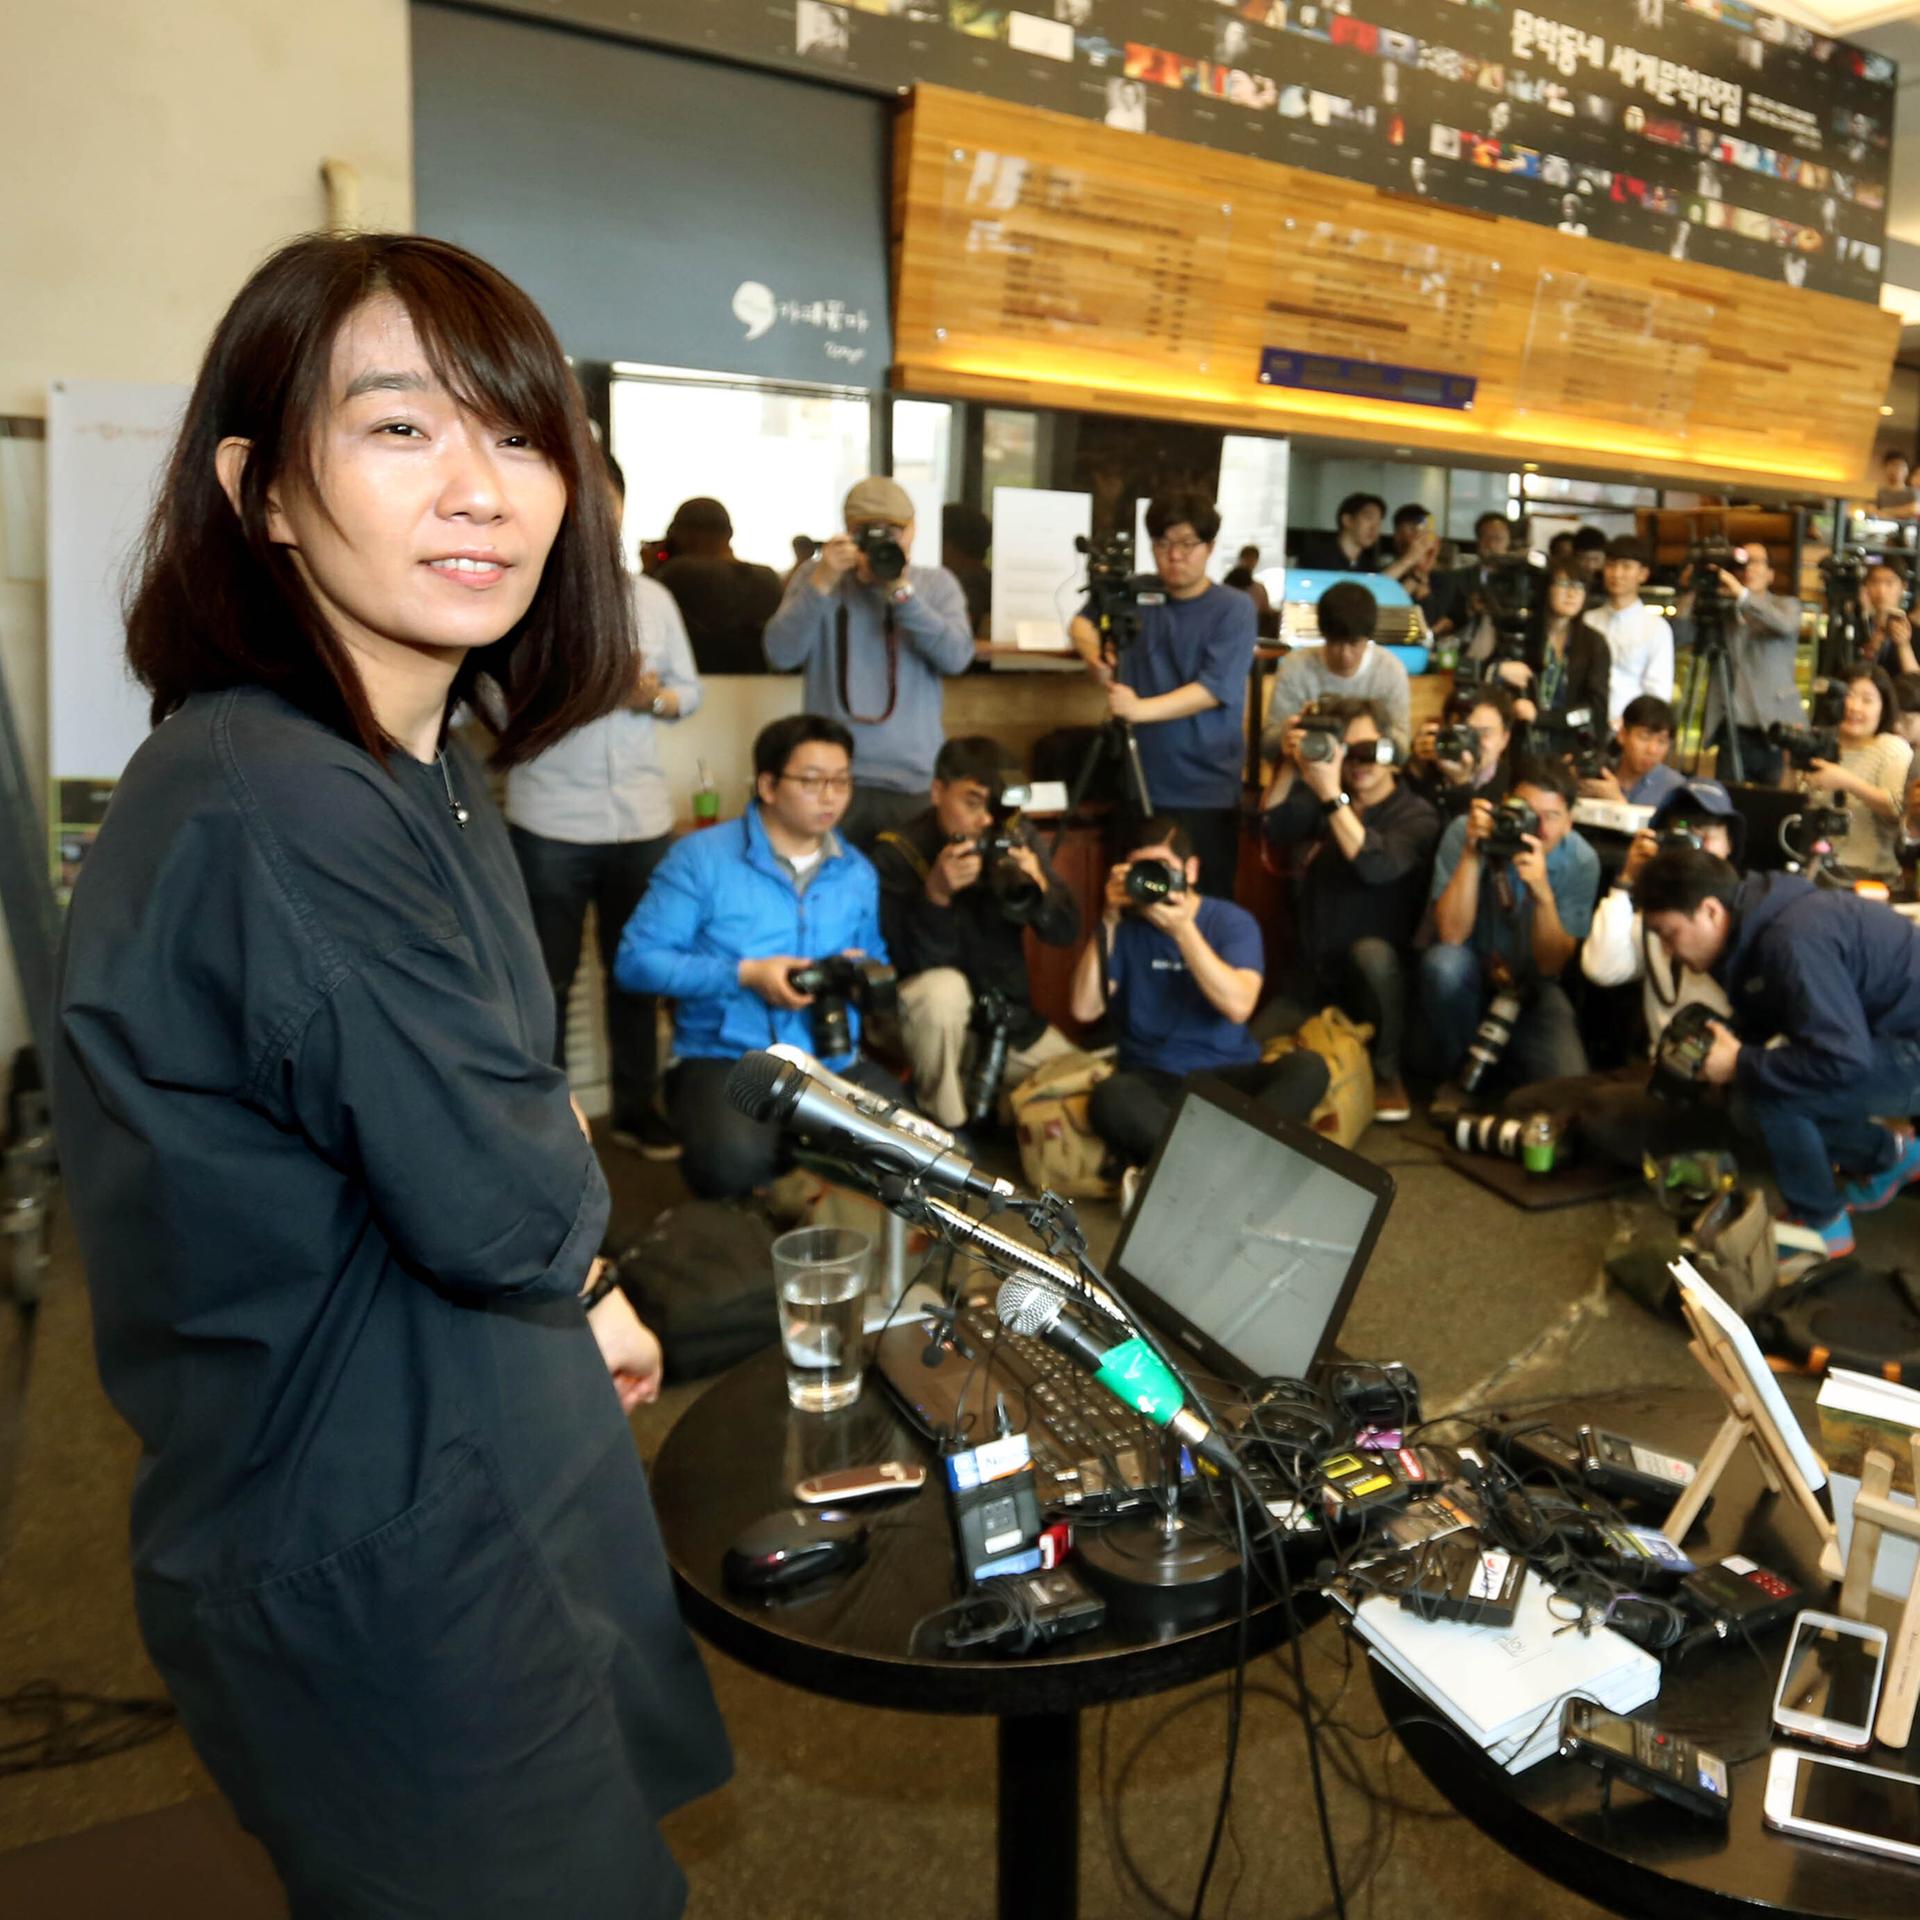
(821, 1273)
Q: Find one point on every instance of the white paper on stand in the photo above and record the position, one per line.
(1037, 572)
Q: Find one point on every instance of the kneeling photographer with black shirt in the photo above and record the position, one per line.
(1466, 755)
(959, 884)
(1370, 843)
(1180, 973)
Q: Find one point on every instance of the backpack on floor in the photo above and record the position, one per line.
(1345, 1111)
(1059, 1150)
(702, 1278)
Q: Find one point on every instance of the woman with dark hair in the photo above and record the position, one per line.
(1870, 777)
(1566, 667)
(393, 1551)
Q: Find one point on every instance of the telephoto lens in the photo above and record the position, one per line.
(1151, 881)
(1489, 1044)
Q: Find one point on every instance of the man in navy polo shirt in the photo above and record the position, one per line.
(1183, 685)
(1181, 977)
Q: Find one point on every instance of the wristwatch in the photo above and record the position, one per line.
(902, 593)
(1333, 806)
(597, 1290)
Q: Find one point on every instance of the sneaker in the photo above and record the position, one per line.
(1876, 1190)
(1390, 1102)
(1796, 1240)
(650, 1137)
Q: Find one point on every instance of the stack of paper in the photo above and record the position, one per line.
(1503, 1687)
(1857, 1413)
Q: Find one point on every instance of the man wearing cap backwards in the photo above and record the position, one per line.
(874, 643)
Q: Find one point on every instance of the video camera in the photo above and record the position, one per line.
(1804, 745)
(1707, 558)
(1116, 590)
(836, 983)
(1151, 881)
(1508, 585)
(1513, 822)
(1846, 567)
(879, 540)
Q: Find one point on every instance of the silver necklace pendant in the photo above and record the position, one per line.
(460, 814)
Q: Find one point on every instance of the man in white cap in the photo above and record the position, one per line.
(874, 636)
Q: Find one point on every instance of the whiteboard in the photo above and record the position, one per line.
(107, 445)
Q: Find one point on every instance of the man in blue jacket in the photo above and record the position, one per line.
(1837, 979)
(728, 916)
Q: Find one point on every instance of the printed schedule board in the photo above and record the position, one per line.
(1706, 130)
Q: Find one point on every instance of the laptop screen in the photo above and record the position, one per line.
(1249, 1236)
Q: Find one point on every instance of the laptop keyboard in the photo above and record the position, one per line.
(1084, 1441)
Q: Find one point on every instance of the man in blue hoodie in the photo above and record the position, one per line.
(1836, 978)
(728, 916)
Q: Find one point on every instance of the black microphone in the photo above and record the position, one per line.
(765, 1087)
(1124, 1364)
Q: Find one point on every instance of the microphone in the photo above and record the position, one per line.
(1124, 1364)
(876, 1106)
(765, 1087)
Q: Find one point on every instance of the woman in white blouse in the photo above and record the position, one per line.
(1870, 777)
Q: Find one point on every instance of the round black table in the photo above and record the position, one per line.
(1642, 1857)
(735, 1455)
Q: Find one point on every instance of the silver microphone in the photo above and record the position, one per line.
(876, 1106)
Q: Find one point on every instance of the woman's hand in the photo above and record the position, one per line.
(629, 1348)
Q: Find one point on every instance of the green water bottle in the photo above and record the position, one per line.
(706, 799)
(1539, 1142)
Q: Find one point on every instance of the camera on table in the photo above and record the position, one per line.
(992, 1023)
(1681, 1054)
(1513, 822)
(1149, 882)
(837, 983)
(879, 540)
(1804, 745)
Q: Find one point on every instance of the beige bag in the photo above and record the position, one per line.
(1346, 1110)
(1059, 1150)
(1738, 1256)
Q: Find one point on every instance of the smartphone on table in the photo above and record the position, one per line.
(1830, 1681)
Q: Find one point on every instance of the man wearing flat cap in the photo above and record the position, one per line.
(874, 636)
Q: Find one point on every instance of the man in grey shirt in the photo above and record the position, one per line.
(590, 819)
(1346, 663)
(874, 649)
(1762, 630)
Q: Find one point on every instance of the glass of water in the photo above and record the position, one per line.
(821, 1273)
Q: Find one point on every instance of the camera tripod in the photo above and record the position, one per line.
(1115, 745)
(1710, 673)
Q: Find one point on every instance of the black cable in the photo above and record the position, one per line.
(1236, 1695)
(76, 1727)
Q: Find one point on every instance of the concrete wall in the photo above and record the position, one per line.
(155, 153)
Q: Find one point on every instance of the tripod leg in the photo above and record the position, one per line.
(1722, 674)
(1139, 794)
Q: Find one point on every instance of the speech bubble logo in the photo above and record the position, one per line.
(753, 307)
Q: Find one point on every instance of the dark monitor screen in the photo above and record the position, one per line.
(1249, 1236)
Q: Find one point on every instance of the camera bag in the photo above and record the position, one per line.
(1059, 1150)
(1345, 1111)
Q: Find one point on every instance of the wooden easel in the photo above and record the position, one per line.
(1747, 1419)
(1875, 1514)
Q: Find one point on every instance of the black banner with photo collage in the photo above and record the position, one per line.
(1702, 129)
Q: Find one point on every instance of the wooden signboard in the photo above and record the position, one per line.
(1044, 262)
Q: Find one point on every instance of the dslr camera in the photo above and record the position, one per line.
(879, 540)
(1804, 745)
(1684, 1045)
(1321, 734)
(1015, 890)
(1457, 741)
(1151, 881)
(837, 983)
(1513, 821)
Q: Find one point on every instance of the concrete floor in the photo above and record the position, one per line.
(836, 1809)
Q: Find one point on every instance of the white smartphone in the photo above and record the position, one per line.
(1844, 1804)
(1830, 1681)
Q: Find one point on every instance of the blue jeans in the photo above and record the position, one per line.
(1455, 992)
(563, 878)
(1809, 1134)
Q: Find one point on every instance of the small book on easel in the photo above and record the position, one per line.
(1857, 1413)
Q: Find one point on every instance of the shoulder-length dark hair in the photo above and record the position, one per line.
(216, 603)
(1877, 677)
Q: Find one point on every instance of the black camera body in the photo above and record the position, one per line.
(1457, 741)
(836, 983)
(879, 540)
(1116, 590)
(1151, 881)
(1804, 745)
(1013, 888)
(1684, 1045)
(1513, 822)
(1592, 758)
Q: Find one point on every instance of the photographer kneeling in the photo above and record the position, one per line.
(1834, 977)
(762, 929)
(1513, 892)
(1181, 973)
(1363, 883)
(959, 884)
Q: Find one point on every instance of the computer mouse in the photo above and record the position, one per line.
(792, 1548)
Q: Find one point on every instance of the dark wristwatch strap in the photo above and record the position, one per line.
(593, 1294)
